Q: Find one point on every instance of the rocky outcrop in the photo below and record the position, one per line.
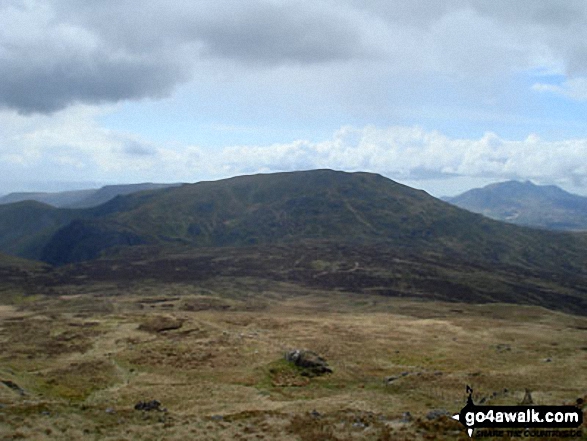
(311, 363)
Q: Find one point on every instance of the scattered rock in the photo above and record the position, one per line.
(15, 387)
(149, 405)
(547, 360)
(312, 363)
(406, 417)
(217, 418)
(160, 323)
(110, 411)
(315, 414)
(503, 347)
(359, 424)
(437, 413)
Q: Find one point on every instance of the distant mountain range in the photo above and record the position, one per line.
(356, 232)
(524, 203)
(81, 198)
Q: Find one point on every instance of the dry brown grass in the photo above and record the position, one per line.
(221, 375)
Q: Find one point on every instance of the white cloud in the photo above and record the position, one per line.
(70, 145)
(410, 153)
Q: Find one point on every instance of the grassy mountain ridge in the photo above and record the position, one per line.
(357, 232)
(524, 203)
(322, 205)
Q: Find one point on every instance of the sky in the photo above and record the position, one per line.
(439, 95)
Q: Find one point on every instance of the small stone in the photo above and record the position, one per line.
(315, 414)
(149, 405)
(15, 387)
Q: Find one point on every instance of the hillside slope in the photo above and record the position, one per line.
(25, 227)
(108, 192)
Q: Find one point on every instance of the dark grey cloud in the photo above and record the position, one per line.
(54, 53)
(94, 78)
(256, 31)
(271, 33)
(66, 52)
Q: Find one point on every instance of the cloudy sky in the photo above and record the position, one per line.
(439, 95)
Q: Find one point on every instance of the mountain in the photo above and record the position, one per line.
(356, 232)
(272, 209)
(81, 198)
(525, 203)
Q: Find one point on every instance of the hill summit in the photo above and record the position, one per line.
(525, 203)
(275, 209)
